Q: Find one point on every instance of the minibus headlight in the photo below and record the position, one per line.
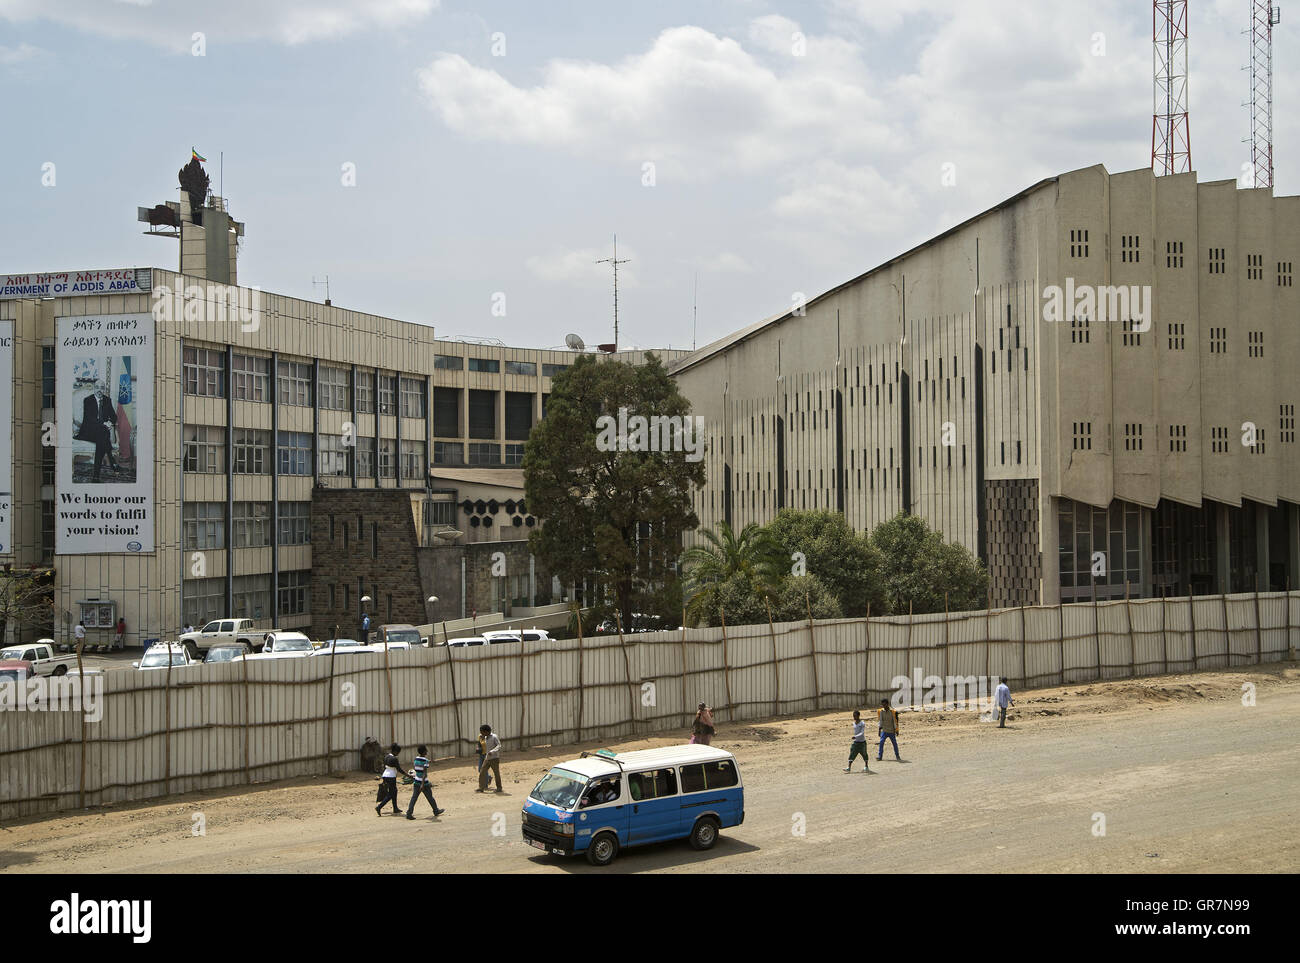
(564, 829)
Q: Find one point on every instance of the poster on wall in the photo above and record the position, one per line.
(6, 436)
(104, 405)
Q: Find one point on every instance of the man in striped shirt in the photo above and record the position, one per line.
(422, 784)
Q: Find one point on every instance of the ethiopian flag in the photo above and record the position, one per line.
(195, 155)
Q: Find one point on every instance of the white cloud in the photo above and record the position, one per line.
(581, 265)
(696, 104)
(172, 25)
(23, 53)
(724, 262)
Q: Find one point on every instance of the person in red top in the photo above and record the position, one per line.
(121, 633)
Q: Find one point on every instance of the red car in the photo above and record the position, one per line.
(16, 670)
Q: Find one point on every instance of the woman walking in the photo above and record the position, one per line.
(702, 729)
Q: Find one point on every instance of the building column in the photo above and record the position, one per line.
(1293, 547)
(1261, 548)
(1222, 549)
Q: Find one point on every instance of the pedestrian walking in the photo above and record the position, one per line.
(859, 747)
(491, 761)
(423, 784)
(1002, 699)
(392, 769)
(702, 728)
(121, 633)
(482, 754)
(365, 628)
(79, 633)
(887, 728)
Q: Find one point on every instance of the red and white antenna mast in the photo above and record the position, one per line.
(1171, 139)
(1263, 17)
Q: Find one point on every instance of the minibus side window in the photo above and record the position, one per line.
(652, 785)
(712, 775)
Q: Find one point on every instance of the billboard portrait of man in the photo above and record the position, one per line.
(104, 424)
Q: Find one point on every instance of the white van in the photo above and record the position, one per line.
(517, 635)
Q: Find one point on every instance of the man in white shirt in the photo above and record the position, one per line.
(1002, 699)
(491, 759)
(79, 633)
(859, 747)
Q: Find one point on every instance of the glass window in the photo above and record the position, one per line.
(295, 453)
(365, 455)
(205, 449)
(47, 376)
(652, 785)
(294, 591)
(551, 370)
(388, 394)
(295, 383)
(332, 390)
(252, 448)
(448, 453)
(709, 775)
(250, 525)
(47, 530)
(415, 464)
(522, 368)
(519, 415)
(295, 523)
(252, 597)
(204, 525)
(482, 453)
(366, 392)
(203, 599)
(446, 412)
(251, 378)
(335, 456)
(413, 398)
(482, 414)
(488, 365)
(205, 372)
(448, 362)
(387, 458)
(514, 454)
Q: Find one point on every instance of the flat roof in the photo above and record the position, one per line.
(594, 766)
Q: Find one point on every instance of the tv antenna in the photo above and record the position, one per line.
(326, 283)
(616, 262)
(695, 305)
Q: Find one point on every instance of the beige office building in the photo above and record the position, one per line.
(1132, 431)
(226, 415)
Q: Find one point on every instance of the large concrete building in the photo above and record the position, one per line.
(236, 436)
(995, 382)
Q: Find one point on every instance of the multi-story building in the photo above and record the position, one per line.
(1092, 386)
(174, 436)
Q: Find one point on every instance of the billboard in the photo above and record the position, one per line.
(104, 385)
(65, 284)
(6, 436)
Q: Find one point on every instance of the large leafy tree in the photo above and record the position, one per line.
(918, 567)
(790, 598)
(611, 514)
(844, 561)
(751, 559)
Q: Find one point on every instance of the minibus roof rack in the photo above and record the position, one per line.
(605, 754)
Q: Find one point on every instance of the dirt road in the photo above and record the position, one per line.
(1185, 777)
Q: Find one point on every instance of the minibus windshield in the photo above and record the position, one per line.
(560, 789)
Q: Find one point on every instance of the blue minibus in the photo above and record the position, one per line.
(606, 801)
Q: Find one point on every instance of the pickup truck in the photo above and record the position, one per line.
(42, 656)
(224, 630)
(398, 633)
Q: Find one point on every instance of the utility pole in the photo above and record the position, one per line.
(616, 262)
(1171, 139)
(1264, 16)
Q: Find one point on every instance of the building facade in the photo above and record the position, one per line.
(1092, 386)
(231, 417)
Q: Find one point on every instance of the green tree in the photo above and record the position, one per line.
(26, 599)
(751, 559)
(790, 598)
(845, 561)
(917, 567)
(611, 515)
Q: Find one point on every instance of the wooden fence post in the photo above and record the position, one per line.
(627, 671)
(726, 665)
(167, 725)
(908, 658)
(1132, 642)
(1259, 638)
(1096, 627)
(866, 669)
(685, 703)
(1060, 621)
(329, 708)
(776, 665)
(945, 657)
(1227, 636)
(247, 731)
(455, 702)
(578, 613)
(1024, 651)
(1164, 637)
(988, 632)
(1191, 608)
(81, 671)
(812, 649)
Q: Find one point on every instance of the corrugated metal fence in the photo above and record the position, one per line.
(204, 727)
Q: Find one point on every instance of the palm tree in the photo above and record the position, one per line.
(753, 555)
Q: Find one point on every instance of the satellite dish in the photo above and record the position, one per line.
(575, 343)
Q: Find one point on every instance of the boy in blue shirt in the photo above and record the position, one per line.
(422, 784)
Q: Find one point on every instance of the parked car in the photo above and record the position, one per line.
(16, 670)
(284, 645)
(398, 632)
(164, 654)
(42, 655)
(466, 640)
(341, 646)
(605, 801)
(223, 630)
(225, 652)
(517, 635)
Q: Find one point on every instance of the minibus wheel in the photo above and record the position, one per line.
(602, 850)
(705, 833)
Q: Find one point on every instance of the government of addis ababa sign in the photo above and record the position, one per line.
(74, 284)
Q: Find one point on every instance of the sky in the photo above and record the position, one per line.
(442, 160)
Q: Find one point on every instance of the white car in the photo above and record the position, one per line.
(283, 645)
(164, 654)
(41, 654)
(341, 646)
(466, 640)
(517, 635)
